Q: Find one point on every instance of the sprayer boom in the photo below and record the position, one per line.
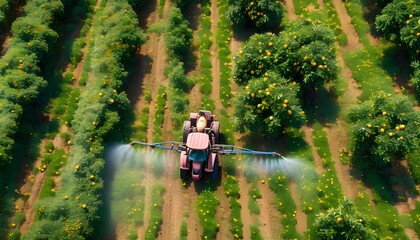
(220, 149)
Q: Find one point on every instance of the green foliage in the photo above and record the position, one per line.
(206, 209)
(155, 212)
(322, 147)
(385, 129)
(303, 52)
(184, 230)
(127, 195)
(343, 222)
(255, 233)
(223, 39)
(415, 80)
(101, 107)
(177, 77)
(20, 75)
(269, 104)
(415, 217)
(396, 16)
(159, 114)
(178, 37)
(278, 183)
(231, 188)
(263, 14)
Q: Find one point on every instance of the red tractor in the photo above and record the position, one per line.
(200, 133)
(200, 146)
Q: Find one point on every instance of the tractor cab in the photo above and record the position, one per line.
(198, 149)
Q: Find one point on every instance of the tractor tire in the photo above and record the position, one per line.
(187, 128)
(215, 126)
(183, 174)
(215, 169)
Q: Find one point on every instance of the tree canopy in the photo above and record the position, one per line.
(385, 128)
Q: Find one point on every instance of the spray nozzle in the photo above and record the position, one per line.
(278, 155)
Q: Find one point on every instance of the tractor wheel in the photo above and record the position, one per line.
(215, 169)
(187, 127)
(215, 126)
(183, 174)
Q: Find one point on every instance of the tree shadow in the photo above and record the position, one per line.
(142, 66)
(392, 182)
(370, 11)
(320, 106)
(396, 63)
(144, 11)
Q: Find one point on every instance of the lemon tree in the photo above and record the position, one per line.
(263, 14)
(385, 128)
(269, 104)
(343, 222)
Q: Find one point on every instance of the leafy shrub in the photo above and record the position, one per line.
(385, 129)
(206, 208)
(343, 222)
(303, 53)
(268, 104)
(264, 14)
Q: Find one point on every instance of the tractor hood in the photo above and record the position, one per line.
(198, 141)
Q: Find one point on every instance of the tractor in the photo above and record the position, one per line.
(200, 147)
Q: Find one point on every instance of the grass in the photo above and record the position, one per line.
(159, 114)
(355, 10)
(184, 230)
(52, 164)
(326, 16)
(278, 183)
(223, 38)
(366, 67)
(231, 189)
(206, 209)
(155, 211)
(321, 144)
(205, 42)
(254, 194)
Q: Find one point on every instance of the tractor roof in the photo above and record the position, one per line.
(198, 140)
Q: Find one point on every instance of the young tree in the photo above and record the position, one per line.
(178, 37)
(263, 14)
(385, 128)
(303, 53)
(343, 222)
(269, 104)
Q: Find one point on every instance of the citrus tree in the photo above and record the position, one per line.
(268, 104)
(386, 128)
(304, 53)
(263, 14)
(343, 222)
(396, 16)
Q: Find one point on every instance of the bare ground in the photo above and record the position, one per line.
(270, 217)
(309, 140)
(291, 15)
(302, 224)
(353, 42)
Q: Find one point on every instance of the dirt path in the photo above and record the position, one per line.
(291, 15)
(269, 218)
(32, 186)
(244, 199)
(173, 206)
(147, 183)
(353, 42)
(337, 139)
(302, 224)
(215, 62)
(222, 216)
(5, 43)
